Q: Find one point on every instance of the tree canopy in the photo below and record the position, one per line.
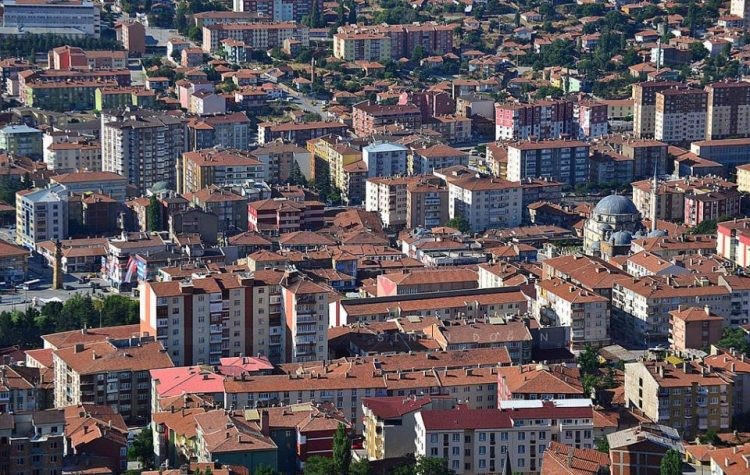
(671, 464)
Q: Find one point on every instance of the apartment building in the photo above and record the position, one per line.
(516, 434)
(21, 390)
(339, 161)
(119, 266)
(689, 397)
(145, 147)
(485, 202)
(229, 207)
(385, 159)
(219, 167)
(644, 106)
(77, 18)
(585, 313)
(730, 461)
(640, 449)
(417, 282)
(231, 130)
(21, 141)
(728, 110)
(106, 183)
(367, 118)
(41, 215)
(203, 320)
(647, 156)
(257, 36)
(305, 310)
(362, 47)
(680, 115)
(33, 442)
(426, 205)
(434, 38)
(78, 154)
(539, 382)
(63, 96)
(711, 205)
(280, 215)
(468, 375)
(734, 366)
(641, 306)
(694, 328)
(592, 120)
(541, 120)
(566, 161)
(388, 197)
(435, 157)
(670, 195)
(450, 305)
(122, 97)
(284, 10)
(733, 241)
(740, 8)
(237, 16)
(728, 152)
(279, 159)
(298, 133)
(112, 372)
(132, 35)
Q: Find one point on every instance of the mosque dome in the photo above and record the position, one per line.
(615, 205)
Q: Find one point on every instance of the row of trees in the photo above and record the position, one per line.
(27, 46)
(24, 328)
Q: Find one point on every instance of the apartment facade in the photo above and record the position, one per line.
(388, 197)
(434, 38)
(566, 161)
(41, 215)
(541, 120)
(279, 159)
(728, 110)
(230, 130)
(203, 168)
(283, 10)
(385, 159)
(680, 115)
(66, 156)
(71, 16)
(143, 147)
(362, 47)
(367, 118)
(644, 106)
(305, 308)
(485, 202)
(298, 133)
(426, 205)
(689, 397)
(257, 36)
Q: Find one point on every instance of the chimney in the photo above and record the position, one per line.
(264, 423)
(570, 457)
(78, 348)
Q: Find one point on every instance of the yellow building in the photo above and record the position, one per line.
(743, 178)
(331, 154)
(362, 46)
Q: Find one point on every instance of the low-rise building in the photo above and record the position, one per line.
(640, 449)
(694, 328)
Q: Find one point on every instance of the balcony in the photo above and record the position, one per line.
(301, 329)
(306, 318)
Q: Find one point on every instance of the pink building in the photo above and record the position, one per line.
(711, 205)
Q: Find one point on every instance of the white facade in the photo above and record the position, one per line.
(486, 203)
(41, 215)
(388, 198)
(82, 15)
(385, 159)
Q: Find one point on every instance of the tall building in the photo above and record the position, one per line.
(728, 110)
(566, 161)
(740, 8)
(362, 46)
(541, 120)
(132, 34)
(387, 197)
(41, 215)
(426, 205)
(385, 159)
(145, 147)
(203, 168)
(230, 130)
(305, 307)
(203, 320)
(73, 17)
(257, 36)
(485, 202)
(32, 442)
(680, 115)
(434, 38)
(21, 141)
(644, 106)
(368, 117)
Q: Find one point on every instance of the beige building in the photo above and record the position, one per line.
(485, 202)
(203, 168)
(644, 106)
(728, 109)
(362, 46)
(694, 328)
(689, 397)
(113, 373)
(743, 178)
(585, 313)
(740, 8)
(388, 197)
(305, 309)
(681, 115)
(75, 155)
(670, 195)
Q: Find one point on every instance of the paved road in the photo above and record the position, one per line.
(304, 102)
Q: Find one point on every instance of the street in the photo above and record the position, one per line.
(304, 102)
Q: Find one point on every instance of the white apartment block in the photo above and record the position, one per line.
(385, 159)
(486, 203)
(41, 215)
(680, 115)
(481, 440)
(565, 304)
(387, 197)
(81, 15)
(740, 8)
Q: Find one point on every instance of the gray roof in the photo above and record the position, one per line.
(20, 129)
(384, 147)
(657, 433)
(615, 205)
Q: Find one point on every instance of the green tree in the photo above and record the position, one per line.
(710, 437)
(154, 214)
(342, 450)
(602, 445)
(360, 467)
(432, 466)
(142, 449)
(318, 465)
(265, 470)
(734, 338)
(460, 223)
(588, 360)
(296, 177)
(417, 54)
(671, 464)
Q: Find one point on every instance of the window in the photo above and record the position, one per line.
(456, 437)
(482, 450)
(482, 436)
(456, 451)
(433, 438)
(521, 463)
(521, 449)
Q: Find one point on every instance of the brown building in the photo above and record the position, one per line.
(646, 154)
(133, 37)
(426, 204)
(230, 207)
(368, 117)
(429, 280)
(639, 450)
(274, 217)
(32, 442)
(298, 133)
(728, 110)
(694, 328)
(644, 106)
(96, 434)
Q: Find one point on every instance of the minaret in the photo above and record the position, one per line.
(654, 188)
(658, 54)
(57, 274)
